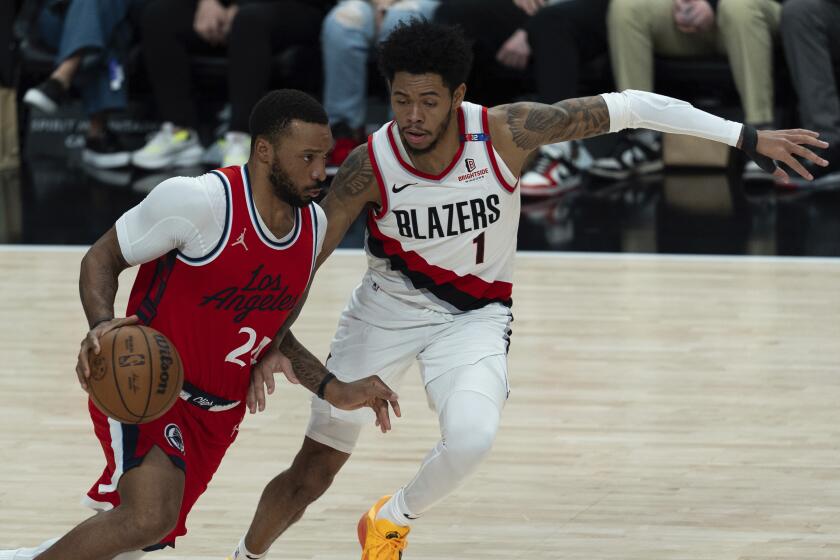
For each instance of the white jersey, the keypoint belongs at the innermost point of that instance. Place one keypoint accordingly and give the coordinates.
(444, 242)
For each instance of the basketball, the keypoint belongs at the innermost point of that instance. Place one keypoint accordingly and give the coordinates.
(137, 375)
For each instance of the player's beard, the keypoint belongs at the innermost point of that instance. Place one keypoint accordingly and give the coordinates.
(283, 188)
(440, 132)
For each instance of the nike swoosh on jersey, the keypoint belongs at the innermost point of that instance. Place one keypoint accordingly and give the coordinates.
(394, 188)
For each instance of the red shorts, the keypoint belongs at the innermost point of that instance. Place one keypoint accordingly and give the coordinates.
(195, 440)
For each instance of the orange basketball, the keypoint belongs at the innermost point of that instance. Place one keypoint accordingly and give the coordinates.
(137, 375)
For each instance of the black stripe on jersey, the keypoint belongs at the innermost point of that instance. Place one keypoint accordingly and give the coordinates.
(446, 292)
(314, 214)
(130, 433)
(147, 310)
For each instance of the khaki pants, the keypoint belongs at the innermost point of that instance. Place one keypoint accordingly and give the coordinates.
(8, 130)
(744, 32)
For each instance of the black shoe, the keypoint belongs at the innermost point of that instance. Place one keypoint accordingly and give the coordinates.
(632, 156)
(46, 96)
(105, 152)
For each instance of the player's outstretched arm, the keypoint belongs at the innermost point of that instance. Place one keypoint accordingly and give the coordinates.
(519, 128)
(368, 392)
(352, 190)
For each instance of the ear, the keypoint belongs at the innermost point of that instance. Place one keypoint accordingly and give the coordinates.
(458, 95)
(263, 150)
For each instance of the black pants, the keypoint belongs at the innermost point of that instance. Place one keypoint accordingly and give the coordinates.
(488, 23)
(562, 37)
(258, 31)
(812, 47)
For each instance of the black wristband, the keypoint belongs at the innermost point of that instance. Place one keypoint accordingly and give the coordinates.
(329, 377)
(748, 145)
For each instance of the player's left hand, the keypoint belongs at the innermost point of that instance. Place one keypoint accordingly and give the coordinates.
(370, 391)
(262, 378)
(783, 145)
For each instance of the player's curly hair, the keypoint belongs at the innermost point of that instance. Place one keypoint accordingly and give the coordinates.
(422, 47)
(272, 114)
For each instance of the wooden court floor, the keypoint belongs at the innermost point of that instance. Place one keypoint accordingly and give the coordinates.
(662, 408)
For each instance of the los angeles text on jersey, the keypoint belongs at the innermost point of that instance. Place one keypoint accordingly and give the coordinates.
(261, 292)
(449, 219)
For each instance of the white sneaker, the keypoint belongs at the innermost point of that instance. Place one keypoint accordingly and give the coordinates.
(9, 554)
(169, 148)
(236, 149)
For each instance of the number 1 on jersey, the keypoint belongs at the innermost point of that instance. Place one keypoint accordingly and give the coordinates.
(479, 248)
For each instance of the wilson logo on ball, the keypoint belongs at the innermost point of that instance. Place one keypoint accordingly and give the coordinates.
(166, 362)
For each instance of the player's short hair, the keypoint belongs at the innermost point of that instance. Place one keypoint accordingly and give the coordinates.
(272, 114)
(422, 47)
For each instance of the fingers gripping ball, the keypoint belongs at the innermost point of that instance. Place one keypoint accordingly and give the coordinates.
(137, 375)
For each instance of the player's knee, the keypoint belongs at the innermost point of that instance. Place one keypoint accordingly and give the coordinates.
(469, 444)
(151, 524)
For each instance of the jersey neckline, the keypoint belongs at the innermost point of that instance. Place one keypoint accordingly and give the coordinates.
(284, 243)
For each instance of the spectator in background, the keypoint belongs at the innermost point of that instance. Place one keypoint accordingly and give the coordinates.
(741, 29)
(562, 37)
(249, 32)
(90, 37)
(500, 46)
(810, 37)
(349, 34)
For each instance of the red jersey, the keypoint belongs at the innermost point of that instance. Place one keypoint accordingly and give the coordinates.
(221, 311)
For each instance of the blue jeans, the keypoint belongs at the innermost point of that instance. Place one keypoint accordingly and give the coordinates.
(98, 30)
(348, 38)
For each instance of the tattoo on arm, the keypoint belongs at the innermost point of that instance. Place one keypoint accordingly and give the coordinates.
(534, 124)
(308, 369)
(354, 176)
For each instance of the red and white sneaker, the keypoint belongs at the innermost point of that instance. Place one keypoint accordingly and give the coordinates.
(553, 172)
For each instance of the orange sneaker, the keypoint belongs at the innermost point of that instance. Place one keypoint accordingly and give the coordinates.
(381, 539)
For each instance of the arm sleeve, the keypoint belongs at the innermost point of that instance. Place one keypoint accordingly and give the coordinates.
(641, 109)
(322, 229)
(180, 213)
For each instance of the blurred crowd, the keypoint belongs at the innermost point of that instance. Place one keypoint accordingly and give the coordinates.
(524, 49)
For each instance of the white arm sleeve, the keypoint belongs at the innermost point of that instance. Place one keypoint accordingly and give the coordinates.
(184, 213)
(322, 229)
(641, 109)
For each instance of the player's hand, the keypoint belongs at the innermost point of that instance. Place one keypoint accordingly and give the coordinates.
(91, 342)
(784, 145)
(209, 21)
(262, 378)
(530, 7)
(370, 391)
(516, 51)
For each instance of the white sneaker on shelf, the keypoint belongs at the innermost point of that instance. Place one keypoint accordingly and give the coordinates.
(236, 149)
(169, 148)
(553, 171)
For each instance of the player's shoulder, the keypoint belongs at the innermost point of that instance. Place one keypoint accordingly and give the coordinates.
(183, 187)
(320, 215)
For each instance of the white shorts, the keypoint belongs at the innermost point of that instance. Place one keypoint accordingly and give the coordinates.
(380, 334)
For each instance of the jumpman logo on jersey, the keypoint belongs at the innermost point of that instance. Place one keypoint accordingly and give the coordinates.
(240, 240)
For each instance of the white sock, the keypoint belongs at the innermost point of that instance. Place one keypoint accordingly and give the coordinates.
(242, 553)
(395, 510)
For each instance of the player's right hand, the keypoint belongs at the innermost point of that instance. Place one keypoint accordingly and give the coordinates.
(262, 378)
(91, 342)
(370, 391)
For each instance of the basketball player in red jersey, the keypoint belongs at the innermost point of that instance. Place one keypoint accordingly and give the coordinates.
(440, 185)
(226, 258)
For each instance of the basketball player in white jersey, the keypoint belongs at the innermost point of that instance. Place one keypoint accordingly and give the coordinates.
(439, 184)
